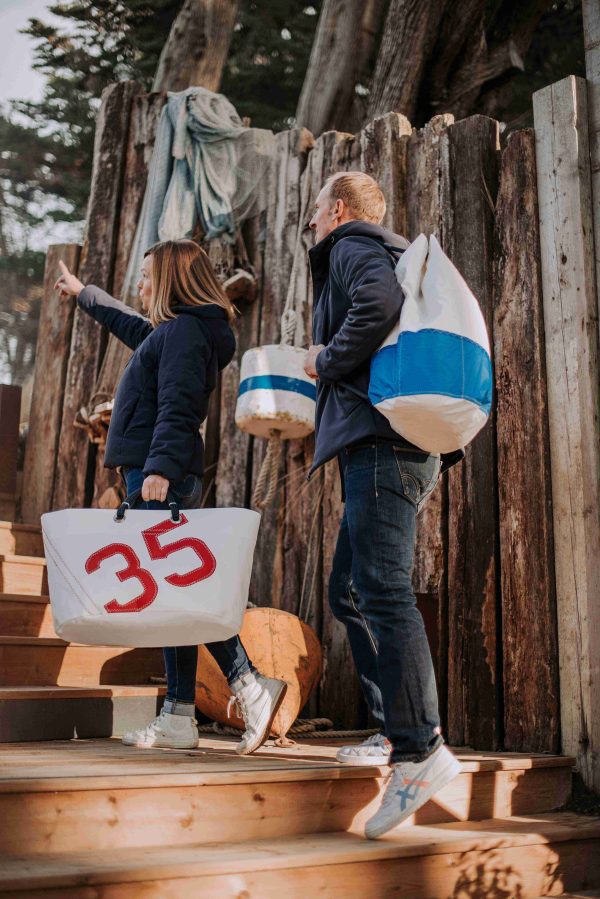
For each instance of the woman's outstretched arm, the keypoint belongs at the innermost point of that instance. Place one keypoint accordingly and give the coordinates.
(121, 320)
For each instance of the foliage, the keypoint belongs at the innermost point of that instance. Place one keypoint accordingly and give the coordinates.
(268, 59)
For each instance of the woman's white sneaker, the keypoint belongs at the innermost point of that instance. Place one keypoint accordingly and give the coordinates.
(411, 785)
(375, 750)
(165, 732)
(257, 699)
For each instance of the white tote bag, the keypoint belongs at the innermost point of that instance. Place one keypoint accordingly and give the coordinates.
(149, 578)
(432, 376)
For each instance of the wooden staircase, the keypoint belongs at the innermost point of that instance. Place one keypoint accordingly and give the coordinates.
(88, 817)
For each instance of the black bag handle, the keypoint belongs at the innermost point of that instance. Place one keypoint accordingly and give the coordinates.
(130, 501)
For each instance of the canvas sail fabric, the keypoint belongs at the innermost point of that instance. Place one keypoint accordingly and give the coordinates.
(149, 580)
(432, 376)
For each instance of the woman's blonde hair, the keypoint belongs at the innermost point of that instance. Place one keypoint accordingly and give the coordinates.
(182, 275)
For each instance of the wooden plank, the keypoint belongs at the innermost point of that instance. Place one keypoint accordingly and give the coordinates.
(427, 193)
(29, 661)
(23, 574)
(10, 413)
(96, 266)
(571, 332)
(23, 539)
(145, 113)
(474, 690)
(51, 362)
(529, 641)
(383, 155)
(526, 857)
(281, 222)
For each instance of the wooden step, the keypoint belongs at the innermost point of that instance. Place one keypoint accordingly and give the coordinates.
(510, 857)
(23, 574)
(44, 661)
(24, 539)
(25, 615)
(210, 794)
(61, 713)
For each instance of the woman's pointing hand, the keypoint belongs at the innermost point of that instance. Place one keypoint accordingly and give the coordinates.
(67, 283)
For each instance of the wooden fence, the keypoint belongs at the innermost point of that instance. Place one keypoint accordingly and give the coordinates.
(485, 564)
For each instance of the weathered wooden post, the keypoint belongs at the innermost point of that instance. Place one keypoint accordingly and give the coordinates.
(529, 642)
(571, 329)
(473, 582)
(51, 362)
(10, 410)
(96, 266)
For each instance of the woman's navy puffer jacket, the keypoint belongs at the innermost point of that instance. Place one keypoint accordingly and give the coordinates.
(162, 397)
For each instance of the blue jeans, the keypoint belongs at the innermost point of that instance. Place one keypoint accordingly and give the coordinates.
(370, 591)
(181, 661)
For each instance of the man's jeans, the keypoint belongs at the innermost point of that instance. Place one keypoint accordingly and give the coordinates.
(370, 591)
(181, 661)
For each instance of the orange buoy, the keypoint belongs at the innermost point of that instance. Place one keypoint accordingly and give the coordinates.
(279, 645)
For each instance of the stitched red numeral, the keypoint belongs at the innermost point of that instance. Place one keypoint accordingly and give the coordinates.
(156, 551)
(132, 570)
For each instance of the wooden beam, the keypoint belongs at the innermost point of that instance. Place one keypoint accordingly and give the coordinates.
(10, 413)
(145, 113)
(96, 266)
(474, 691)
(529, 639)
(571, 330)
(51, 362)
(281, 222)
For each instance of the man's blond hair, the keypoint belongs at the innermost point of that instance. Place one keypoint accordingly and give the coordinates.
(361, 194)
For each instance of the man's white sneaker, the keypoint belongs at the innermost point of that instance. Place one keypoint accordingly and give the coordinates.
(375, 750)
(411, 785)
(165, 732)
(257, 699)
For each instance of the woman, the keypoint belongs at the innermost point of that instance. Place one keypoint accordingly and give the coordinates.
(161, 401)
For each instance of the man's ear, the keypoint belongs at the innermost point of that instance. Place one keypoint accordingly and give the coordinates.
(338, 209)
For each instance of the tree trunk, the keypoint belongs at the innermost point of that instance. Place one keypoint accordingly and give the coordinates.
(411, 29)
(197, 47)
(328, 92)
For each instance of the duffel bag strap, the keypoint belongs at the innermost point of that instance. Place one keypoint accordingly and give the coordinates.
(130, 501)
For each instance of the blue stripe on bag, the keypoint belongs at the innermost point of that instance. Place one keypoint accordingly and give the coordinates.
(432, 361)
(278, 382)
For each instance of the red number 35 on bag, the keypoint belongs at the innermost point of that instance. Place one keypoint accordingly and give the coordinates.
(133, 568)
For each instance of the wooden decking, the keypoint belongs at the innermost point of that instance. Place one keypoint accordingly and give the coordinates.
(95, 818)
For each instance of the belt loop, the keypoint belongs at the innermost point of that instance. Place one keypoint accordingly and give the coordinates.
(376, 465)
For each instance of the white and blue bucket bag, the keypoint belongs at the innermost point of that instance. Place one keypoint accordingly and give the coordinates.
(432, 376)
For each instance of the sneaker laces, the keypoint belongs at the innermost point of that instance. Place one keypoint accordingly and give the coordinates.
(238, 704)
(377, 739)
(151, 729)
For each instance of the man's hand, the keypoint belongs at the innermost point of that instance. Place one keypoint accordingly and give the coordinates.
(311, 360)
(68, 284)
(155, 487)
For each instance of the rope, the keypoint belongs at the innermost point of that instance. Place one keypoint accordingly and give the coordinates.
(301, 729)
(266, 484)
(289, 316)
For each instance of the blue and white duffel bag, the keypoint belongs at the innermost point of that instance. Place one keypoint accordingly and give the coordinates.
(432, 376)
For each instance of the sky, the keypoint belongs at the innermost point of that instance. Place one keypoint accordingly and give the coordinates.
(17, 79)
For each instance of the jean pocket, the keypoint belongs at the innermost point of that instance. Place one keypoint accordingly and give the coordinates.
(419, 473)
(189, 491)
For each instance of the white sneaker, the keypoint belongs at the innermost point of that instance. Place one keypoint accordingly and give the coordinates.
(257, 699)
(375, 750)
(411, 785)
(165, 732)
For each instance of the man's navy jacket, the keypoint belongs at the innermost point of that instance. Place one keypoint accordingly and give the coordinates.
(356, 302)
(162, 397)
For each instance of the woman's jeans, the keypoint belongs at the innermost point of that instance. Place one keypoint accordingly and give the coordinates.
(370, 591)
(181, 661)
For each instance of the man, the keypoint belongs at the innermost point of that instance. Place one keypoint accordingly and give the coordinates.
(386, 480)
